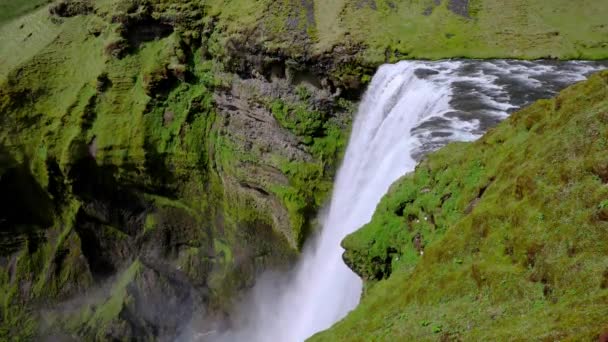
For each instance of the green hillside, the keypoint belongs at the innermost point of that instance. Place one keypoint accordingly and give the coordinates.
(428, 28)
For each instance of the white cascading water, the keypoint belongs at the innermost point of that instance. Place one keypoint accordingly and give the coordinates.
(409, 109)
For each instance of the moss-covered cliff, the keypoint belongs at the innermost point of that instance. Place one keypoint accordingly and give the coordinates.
(156, 155)
(143, 180)
(501, 239)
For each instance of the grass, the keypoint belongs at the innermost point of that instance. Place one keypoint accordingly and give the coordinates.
(64, 97)
(493, 28)
(519, 29)
(23, 38)
(399, 29)
(513, 231)
(11, 9)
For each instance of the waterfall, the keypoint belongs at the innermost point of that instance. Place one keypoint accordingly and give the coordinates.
(409, 109)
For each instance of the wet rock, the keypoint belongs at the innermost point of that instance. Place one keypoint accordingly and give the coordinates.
(424, 73)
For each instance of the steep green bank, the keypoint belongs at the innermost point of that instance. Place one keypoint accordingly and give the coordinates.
(502, 239)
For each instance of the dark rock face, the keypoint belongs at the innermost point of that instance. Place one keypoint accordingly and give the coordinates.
(375, 269)
(338, 70)
(367, 3)
(29, 205)
(460, 7)
(26, 210)
(161, 301)
(146, 30)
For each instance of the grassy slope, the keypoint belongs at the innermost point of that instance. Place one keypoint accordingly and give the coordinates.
(22, 38)
(11, 9)
(525, 258)
(398, 29)
(496, 28)
(387, 31)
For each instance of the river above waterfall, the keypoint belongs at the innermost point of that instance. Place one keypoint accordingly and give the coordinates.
(410, 109)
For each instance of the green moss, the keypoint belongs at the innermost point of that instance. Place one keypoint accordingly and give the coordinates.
(94, 317)
(513, 239)
(18, 323)
(150, 223)
(161, 202)
(309, 182)
(109, 310)
(41, 272)
(224, 251)
(353, 75)
(16, 320)
(145, 115)
(193, 261)
(298, 119)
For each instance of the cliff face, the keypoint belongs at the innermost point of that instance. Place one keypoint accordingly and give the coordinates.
(500, 239)
(145, 182)
(156, 155)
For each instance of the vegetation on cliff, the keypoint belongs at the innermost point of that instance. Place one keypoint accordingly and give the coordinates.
(136, 165)
(500, 239)
(174, 149)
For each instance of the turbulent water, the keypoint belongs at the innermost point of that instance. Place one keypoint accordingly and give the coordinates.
(410, 109)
